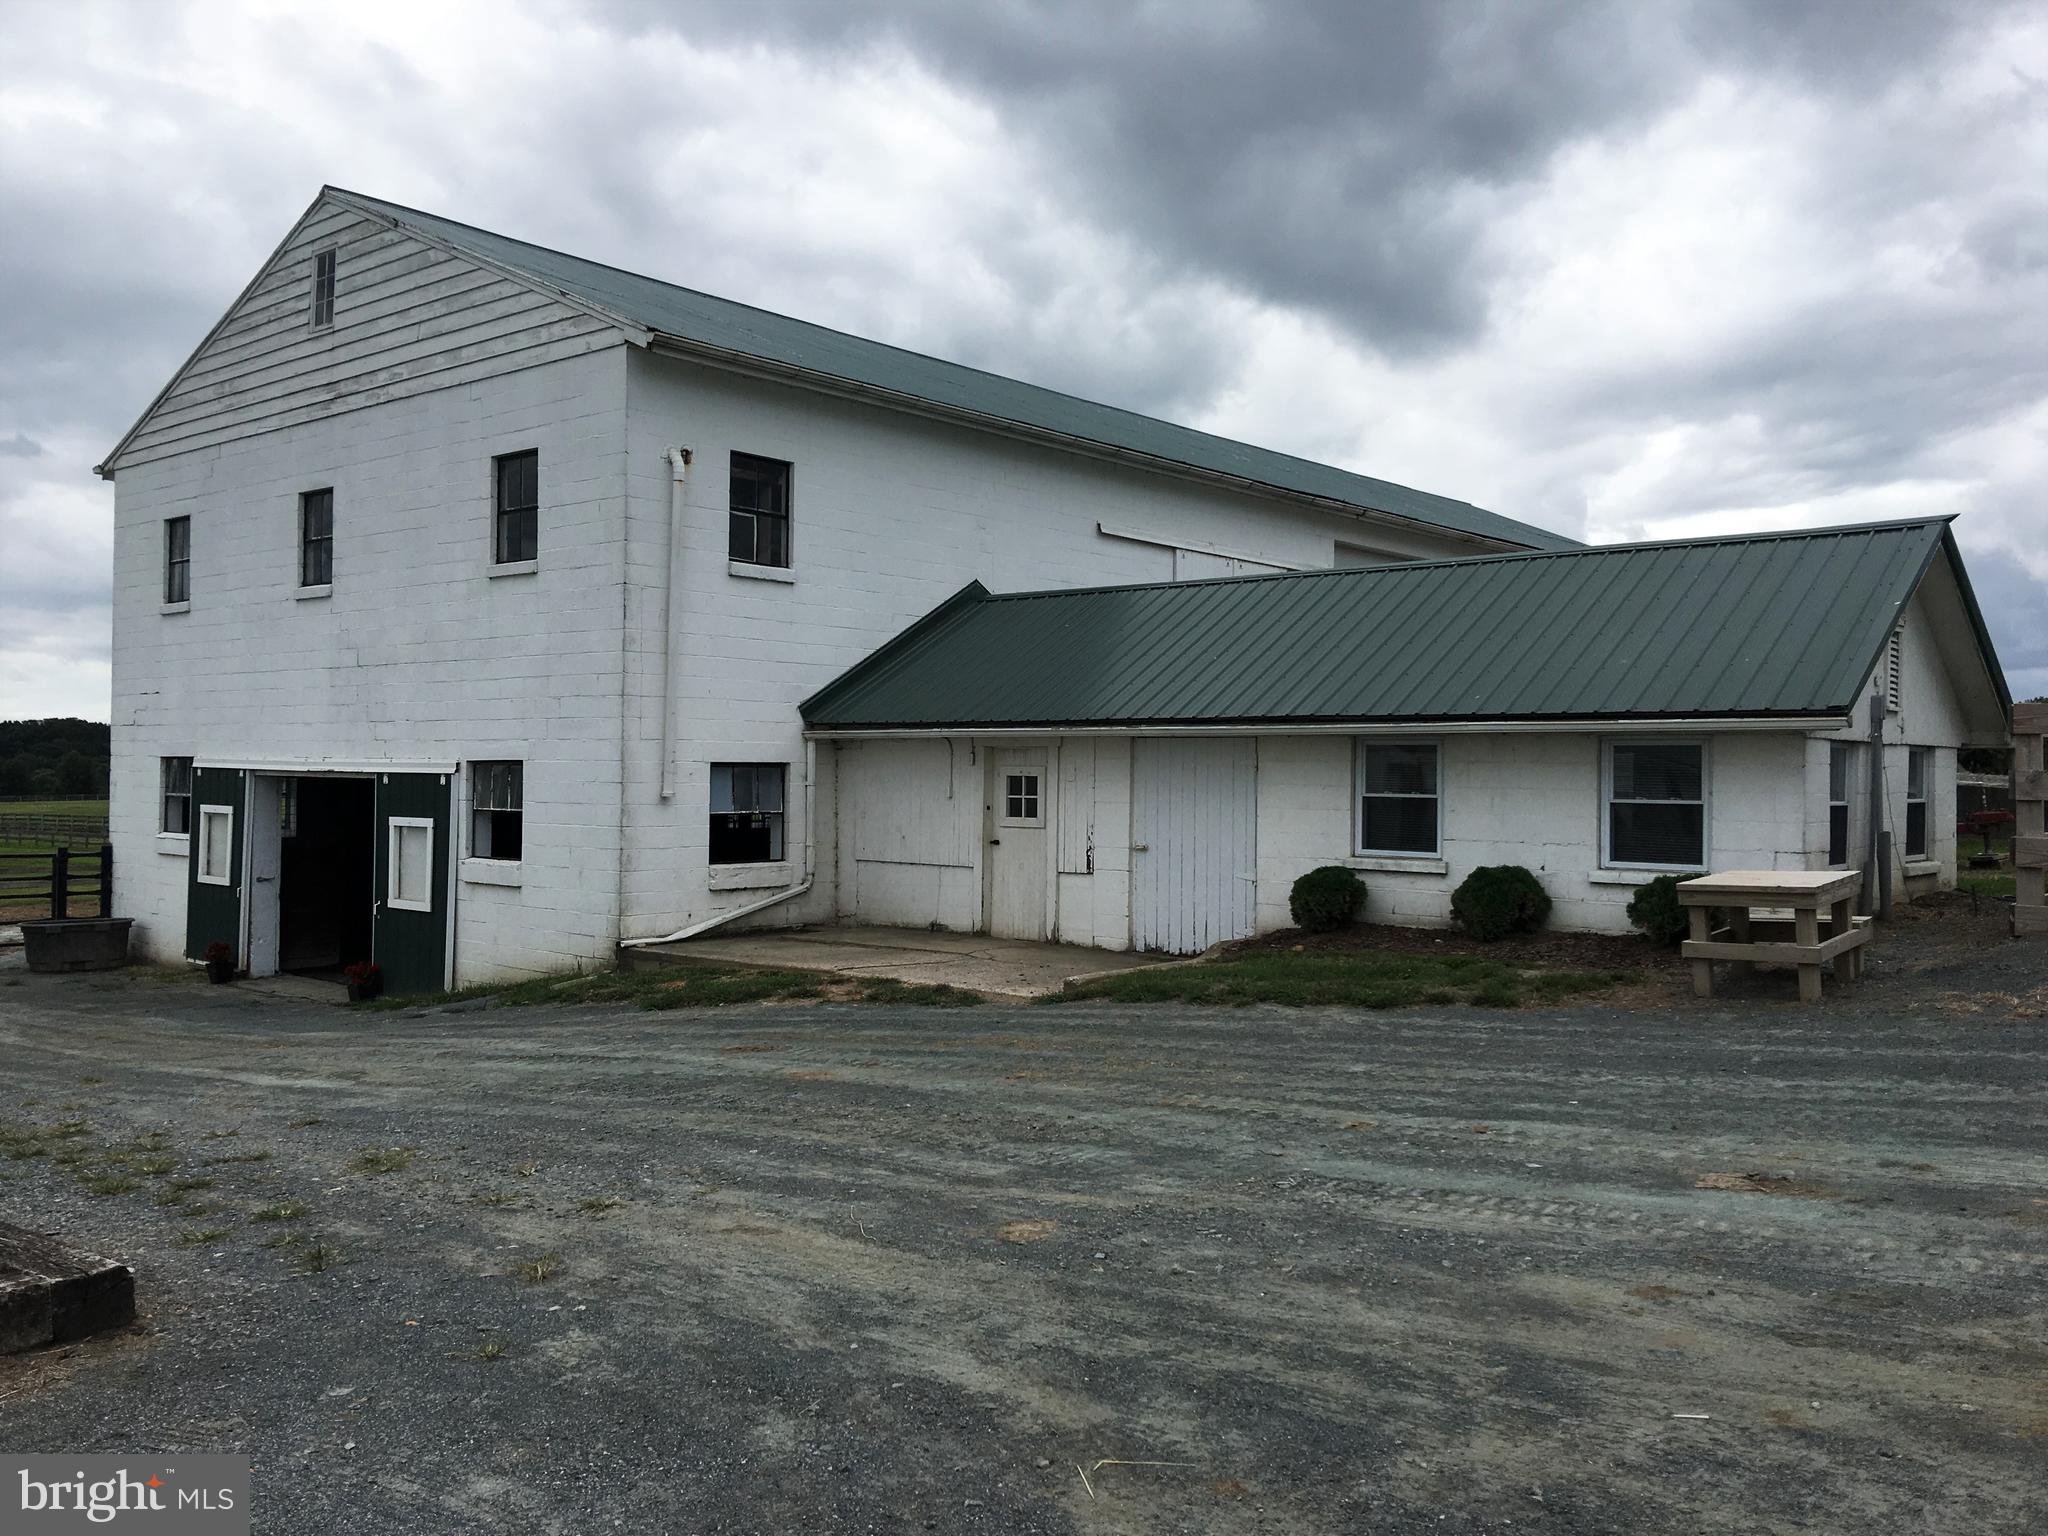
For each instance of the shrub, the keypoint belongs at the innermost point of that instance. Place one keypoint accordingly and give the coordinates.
(1499, 899)
(1326, 898)
(1655, 909)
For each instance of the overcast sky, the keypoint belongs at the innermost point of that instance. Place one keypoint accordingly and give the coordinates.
(1628, 271)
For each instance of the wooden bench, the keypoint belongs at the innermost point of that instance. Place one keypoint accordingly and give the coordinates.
(1802, 892)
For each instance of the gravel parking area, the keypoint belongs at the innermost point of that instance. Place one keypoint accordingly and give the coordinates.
(1050, 1269)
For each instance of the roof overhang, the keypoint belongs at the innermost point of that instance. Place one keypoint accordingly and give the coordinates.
(1601, 725)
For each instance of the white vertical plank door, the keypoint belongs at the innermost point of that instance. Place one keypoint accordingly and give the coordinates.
(1194, 840)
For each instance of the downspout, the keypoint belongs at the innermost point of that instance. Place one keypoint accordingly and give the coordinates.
(672, 617)
(1877, 890)
(794, 891)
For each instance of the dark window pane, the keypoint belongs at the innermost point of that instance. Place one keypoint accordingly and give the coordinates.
(740, 537)
(1656, 772)
(1400, 825)
(1838, 834)
(1400, 770)
(1916, 829)
(1657, 834)
(771, 541)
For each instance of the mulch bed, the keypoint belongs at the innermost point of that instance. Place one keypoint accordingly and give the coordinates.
(1528, 951)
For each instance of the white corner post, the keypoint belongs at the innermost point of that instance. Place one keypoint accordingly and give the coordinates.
(672, 616)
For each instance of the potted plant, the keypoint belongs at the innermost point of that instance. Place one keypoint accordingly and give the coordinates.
(365, 981)
(220, 963)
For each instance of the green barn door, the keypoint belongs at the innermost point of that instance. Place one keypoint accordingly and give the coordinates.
(213, 875)
(410, 941)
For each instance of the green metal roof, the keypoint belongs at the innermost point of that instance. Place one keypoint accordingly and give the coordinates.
(1761, 625)
(717, 325)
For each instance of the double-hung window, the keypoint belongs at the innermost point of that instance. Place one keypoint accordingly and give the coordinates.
(497, 799)
(177, 559)
(746, 812)
(323, 289)
(759, 518)
(1919, 770)
(316, 538)
(1841, 784)
(1398, 804)
(1656, 811)
(515, 534)
(175, 807)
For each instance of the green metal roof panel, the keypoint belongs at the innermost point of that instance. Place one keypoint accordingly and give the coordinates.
(1759, 625)
(703, 319)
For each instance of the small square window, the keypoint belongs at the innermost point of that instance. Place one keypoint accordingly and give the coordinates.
(497, 810)
(1023, 798)
(175, 808)
(177, 559)
(759, 517)
(323, 289)
(316, 538)
(747, 812)
(516, 529)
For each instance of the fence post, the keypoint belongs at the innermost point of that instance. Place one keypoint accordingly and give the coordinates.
(2030, 818)
(60, 882)
(106, 879)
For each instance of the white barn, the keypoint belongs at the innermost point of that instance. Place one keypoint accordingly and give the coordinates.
(466, 593)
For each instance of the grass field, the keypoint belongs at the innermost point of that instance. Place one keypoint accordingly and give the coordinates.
(95, 809)
(1347, 980)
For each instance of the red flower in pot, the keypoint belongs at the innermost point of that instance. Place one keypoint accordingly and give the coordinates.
(220, 962)
(365, 981)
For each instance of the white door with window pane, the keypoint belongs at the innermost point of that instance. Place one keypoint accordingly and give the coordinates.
(1019, 851)
(1194, 843)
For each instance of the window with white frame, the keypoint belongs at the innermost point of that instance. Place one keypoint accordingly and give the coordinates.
(323, 289)
(177, 559)
(758, 519)
(1023, 803)
(1655, 815)
(1841, 784)
(316, 538)
(515, 530)
(174, 813)
(497, 810)
(1919, 771)
(410, 883)
(216, 845)
(1399, 809)
(747, 812)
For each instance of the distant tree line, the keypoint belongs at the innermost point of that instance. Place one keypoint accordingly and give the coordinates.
(53, 757)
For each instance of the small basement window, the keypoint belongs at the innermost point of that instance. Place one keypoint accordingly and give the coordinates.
(747, 812)
(323, 289)
(1841, 784)
(1656, 812)
(174, 812)
(759, 517)
(1919, 770)
(497, 796)
(316, 538)
(177, 559)
(1023, 798)
(515, 534)
(1398, 807)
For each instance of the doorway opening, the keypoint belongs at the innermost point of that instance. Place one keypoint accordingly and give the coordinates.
(326, 874)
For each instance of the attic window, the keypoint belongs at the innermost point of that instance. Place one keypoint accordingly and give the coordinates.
(323, 289)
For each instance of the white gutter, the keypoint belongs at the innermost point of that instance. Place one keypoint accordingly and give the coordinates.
(672, 616)
(1410, 728)
(794, 891)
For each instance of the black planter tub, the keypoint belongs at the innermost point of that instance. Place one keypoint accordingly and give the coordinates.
(76, 943)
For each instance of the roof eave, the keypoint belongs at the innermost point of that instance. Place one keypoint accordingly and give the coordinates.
(1750, 720)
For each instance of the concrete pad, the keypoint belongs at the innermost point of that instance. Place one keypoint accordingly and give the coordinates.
(973, 961)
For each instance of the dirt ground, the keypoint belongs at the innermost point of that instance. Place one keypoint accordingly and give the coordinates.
(1065, 1269)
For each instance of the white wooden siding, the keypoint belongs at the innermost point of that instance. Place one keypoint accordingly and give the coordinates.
(407, 318)
(1076, 806)
(1194, 842)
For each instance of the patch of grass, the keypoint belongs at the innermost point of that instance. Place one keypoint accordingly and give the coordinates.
(192, 1181)
(157, 1167)
(68, 1130)
(541, 1270)
(497, 1197)
(284, 1240)
(314, 1258)
(70, 1157)
(91, 1081)
(220, 1135)
(712, 986)
(195, 1237)
(1344, 980)
(381, 1160)
(108, 1182)
(240, 1157)
(527, 1170)
(289, 1210)
(886, 989)
(597, 1205)
(300, 1125)
(172, 1198)
(490, 1349)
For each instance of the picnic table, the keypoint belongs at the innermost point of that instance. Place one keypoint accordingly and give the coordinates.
(1804, 893)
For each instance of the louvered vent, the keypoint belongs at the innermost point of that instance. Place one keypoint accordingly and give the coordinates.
(1891, 669)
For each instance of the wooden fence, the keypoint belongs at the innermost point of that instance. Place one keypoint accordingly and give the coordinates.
(2030, 817)
(57, 884)
(59, 829)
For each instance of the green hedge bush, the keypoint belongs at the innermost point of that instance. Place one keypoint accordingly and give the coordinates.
(1496, 900)
(1326, 898)
(1654, 908)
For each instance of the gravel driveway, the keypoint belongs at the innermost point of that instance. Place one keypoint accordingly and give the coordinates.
(839, 1269)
